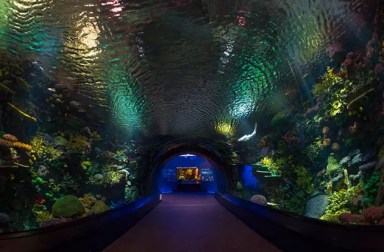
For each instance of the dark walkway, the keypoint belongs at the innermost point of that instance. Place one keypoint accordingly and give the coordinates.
(190, 222)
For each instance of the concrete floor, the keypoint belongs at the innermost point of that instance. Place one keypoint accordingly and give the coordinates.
(190, 222)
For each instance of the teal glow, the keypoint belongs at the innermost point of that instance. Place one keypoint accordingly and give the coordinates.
(124, 101)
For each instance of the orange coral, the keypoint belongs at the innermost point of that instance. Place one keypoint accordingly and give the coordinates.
(325, 130)
(335, 146)
(10, 137)
(6, 143)
(22, 146)
(326, 142)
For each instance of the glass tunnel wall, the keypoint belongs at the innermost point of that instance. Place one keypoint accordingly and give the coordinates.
(289, 93)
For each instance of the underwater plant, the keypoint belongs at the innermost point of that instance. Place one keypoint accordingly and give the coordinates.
(79, 143)
(329, 81)
(113, 177)
(41, 213)
(43, 150)
(333, 164)
(314, 152)
(340, 202)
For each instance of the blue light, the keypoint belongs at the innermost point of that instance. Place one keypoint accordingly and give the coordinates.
(166, 178)
(248, 180)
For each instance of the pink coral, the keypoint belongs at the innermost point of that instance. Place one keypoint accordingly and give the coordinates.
(348, 62)
(334, 48)
(348, 218)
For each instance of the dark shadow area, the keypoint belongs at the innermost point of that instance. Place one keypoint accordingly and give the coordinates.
(292, 232)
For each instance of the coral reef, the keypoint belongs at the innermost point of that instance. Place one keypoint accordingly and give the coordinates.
(340, 202)
(67, 206)
(79, 143)
(99, 207)
(374, 215)
(348, 218)
(41, 213)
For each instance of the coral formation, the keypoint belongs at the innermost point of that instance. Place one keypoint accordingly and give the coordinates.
(259, 200)
(348, 218)
(99, 207)
(340, 202)
(67, 206)
(374, 214)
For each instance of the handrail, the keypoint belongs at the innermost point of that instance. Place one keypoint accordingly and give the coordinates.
(91, 233)
(292, 232)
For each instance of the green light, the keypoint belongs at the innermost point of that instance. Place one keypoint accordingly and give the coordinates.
(123, 96)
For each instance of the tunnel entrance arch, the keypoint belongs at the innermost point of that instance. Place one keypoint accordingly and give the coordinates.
(187, 172)
(163, 178)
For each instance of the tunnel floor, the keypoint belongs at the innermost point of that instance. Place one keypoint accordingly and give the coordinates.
(190, 222)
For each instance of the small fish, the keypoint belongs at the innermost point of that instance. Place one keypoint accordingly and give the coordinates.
(51, 90)
(247, 137)
(37, 64)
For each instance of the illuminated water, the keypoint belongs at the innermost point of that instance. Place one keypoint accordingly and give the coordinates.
(93, 85)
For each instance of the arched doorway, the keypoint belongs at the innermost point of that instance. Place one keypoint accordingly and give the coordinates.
(187, 172)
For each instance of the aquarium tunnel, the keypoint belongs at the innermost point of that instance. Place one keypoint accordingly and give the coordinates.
(132, 116)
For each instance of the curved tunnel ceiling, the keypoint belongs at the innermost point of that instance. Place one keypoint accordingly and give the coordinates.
(181, 67)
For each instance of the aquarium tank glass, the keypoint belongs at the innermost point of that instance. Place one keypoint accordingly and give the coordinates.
(287, 97)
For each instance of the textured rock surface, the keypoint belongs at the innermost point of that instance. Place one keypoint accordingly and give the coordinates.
(259, 199)
(316, 206)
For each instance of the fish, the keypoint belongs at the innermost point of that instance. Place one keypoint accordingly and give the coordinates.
(247, 137)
